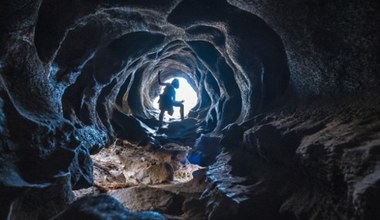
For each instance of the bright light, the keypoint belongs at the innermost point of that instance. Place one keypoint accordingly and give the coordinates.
(184, 92)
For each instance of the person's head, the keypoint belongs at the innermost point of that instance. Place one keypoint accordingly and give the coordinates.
(175, 83)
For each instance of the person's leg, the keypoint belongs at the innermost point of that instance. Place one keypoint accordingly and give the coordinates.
(171, 111)
(161, 117)
(181, 108)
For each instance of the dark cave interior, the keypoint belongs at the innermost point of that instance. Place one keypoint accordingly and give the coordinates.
(286, 126)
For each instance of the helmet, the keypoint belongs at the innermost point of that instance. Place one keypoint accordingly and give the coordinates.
(175, 83)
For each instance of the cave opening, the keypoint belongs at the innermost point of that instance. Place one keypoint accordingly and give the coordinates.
(227, 75)
(185, 92)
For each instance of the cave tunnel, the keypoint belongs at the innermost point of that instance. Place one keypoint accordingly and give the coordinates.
(285, 123)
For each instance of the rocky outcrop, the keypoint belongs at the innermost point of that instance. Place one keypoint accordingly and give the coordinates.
(123, 164)
(310, 163)
(331, 45)
(103, 207)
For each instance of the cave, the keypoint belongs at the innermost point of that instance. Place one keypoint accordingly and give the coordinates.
(285, 123)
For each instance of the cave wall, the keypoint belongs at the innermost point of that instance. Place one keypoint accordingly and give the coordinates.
(332, 46)
(77, 74)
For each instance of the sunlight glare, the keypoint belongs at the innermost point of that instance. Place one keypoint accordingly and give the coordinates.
(184, 92)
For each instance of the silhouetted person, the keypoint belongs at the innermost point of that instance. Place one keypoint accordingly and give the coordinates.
(167, 98)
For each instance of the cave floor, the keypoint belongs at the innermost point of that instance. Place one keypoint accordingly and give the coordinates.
(179, 131)
(145, 179)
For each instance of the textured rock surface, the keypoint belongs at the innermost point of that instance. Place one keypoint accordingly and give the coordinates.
(77, 74)
(103, 207)
(311, 163)
(123, 164)
(332, 46)
(175, 201)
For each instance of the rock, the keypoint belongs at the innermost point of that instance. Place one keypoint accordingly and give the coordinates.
(142, 198)
(128, 127)
(206, 149)
(43, 202)
(103, 207)
(180, 200)
(124, 164)
(298, 166)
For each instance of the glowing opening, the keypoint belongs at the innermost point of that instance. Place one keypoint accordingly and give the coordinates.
(184, 92)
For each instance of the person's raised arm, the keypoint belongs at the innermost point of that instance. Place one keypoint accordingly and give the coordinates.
(159, 80)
